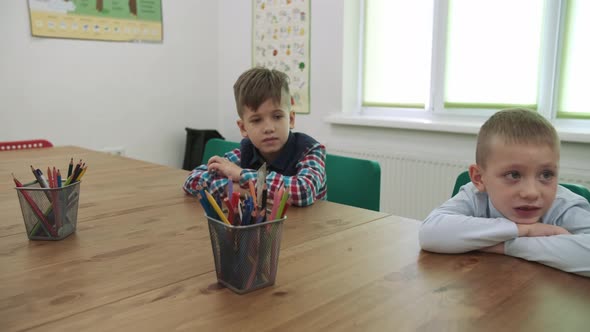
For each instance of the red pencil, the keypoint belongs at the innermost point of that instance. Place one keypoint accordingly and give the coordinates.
(34, 207)
(230, 210)
(54, 177)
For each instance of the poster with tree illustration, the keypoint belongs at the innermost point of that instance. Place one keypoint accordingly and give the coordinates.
(281, 41)
(113, 20)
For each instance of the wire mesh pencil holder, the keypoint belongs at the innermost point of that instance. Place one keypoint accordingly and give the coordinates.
(246, 257)
(49, 213)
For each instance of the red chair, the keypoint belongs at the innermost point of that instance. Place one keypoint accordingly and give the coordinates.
(25, 145)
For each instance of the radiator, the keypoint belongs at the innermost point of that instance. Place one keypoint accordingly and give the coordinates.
(413, 185)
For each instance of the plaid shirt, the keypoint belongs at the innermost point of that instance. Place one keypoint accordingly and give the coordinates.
(300, 167)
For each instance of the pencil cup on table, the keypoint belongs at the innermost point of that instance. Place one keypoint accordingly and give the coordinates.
(49, 213)
(246, 257)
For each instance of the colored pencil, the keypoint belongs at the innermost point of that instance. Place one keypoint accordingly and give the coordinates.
(70, 167)
(216, 207)
(34, 207)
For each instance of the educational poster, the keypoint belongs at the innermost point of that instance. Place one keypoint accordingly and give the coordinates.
(115, 20)
(281, 41)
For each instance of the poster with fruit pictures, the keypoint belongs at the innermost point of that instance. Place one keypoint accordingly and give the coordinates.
(281, 41)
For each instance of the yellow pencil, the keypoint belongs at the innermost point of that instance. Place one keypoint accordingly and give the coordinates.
(81, 173)
(216, 207)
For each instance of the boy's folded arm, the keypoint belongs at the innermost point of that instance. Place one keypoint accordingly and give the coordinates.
(540, 229)
(455, 227)
(455, 233)
(198, 177)
(304, 186)
(201, 175)
(195, 178)
(570, 253)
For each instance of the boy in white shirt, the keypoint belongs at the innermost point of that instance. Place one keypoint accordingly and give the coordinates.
(514, 205)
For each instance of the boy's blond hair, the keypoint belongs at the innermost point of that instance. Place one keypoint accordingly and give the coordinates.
(515, 126)
(257, 85)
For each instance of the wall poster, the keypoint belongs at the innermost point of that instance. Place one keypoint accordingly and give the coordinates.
(281, 41)
(115, 20)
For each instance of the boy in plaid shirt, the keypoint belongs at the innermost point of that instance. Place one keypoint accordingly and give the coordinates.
(295, 160)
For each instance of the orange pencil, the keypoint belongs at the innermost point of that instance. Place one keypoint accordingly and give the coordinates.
(253, 194)
(49, 177)
(52, 175)
(252, 190)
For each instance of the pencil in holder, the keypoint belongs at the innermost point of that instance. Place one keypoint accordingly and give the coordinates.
(246, 257)
(49, 213)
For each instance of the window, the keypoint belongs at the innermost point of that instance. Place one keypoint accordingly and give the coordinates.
(469, 56)
(575, 63)
(492, 53)
(397, 65)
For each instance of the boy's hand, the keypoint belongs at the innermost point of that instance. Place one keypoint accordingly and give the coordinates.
(224, 167)
(540, 229)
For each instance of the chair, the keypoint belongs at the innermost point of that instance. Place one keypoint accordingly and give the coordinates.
(353, 181)
(25, 145)
(350, 181)
(217, 147)
(464, 178)
(195, 146)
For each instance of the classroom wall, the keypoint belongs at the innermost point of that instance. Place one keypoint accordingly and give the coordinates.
(96, 94)
(327, 34)
(142, 96)
(327, 73)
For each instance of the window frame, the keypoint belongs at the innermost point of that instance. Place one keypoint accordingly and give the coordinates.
(434, 116)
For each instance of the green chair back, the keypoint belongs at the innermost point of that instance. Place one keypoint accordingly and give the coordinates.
(464, 178)
(353, 181)
(218, 147)
(350, 181)
(578, 189)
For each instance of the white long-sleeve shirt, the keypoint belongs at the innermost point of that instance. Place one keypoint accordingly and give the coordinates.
(469, 221)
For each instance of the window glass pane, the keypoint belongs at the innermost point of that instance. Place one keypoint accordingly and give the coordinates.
(398, 38)
(493, 50)
(575, 68)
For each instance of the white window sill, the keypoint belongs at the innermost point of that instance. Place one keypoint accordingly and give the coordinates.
(569, 130)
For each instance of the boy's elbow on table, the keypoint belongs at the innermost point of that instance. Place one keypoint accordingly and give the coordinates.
(429, 240)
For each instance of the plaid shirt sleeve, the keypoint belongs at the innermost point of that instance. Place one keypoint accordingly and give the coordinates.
(200, 176)
(305, 187)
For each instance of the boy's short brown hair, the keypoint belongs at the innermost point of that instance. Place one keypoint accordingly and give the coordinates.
(515, 126)
(257, 85)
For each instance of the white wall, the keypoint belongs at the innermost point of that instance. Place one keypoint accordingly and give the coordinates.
(327, 35)
(97, 94)
(235, 54)
(141, 96)
(327, 29)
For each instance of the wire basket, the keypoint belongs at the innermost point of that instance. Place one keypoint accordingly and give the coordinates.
(246, 257)
(49, 213)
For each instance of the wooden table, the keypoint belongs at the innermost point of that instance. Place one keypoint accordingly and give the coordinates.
(141, 260)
